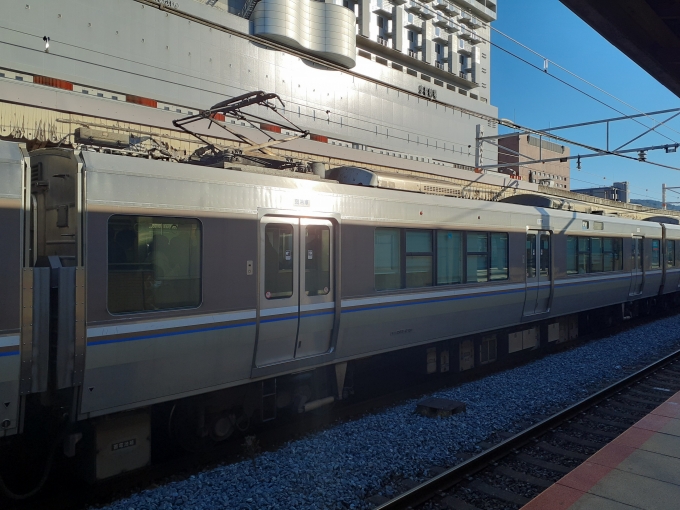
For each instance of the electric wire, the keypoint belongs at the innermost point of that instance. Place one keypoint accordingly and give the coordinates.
(580, 78)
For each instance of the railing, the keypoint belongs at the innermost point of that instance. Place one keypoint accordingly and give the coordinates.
(382, 41)
(439, 65)
(413, 54)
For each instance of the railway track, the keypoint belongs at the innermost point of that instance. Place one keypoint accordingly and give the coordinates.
(508, 474)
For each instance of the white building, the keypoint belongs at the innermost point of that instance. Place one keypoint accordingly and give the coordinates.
(407, 79)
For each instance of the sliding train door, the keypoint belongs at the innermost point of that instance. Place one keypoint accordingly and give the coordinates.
(637, 269)
(297, 303)
(538, 272)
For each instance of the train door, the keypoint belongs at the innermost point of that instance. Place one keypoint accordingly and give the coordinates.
(637, 269)
(297, 303)
(538, 272)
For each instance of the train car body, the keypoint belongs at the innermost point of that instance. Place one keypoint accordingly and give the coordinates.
(13, 159)
(217, 291)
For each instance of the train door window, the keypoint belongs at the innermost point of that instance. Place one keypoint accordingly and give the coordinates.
(278, 260)
(387, 258)
(596, 255)
(583, 254)
(477, 257)
(154, 263)
(656, 254)
(670, 253)
(449, 257)
(499, 257)
(419, 257)
(544, 255)
(317, 260)
(572, 255)
(531, 255)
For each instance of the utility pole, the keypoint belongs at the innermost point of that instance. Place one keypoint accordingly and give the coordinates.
(663, 196)
(665, 188)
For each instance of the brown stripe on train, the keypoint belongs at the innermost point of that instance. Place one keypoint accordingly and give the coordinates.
(144, 101)
(53, 82)
(319, 138)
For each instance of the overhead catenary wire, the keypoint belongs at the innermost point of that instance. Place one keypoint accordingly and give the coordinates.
(545, 70)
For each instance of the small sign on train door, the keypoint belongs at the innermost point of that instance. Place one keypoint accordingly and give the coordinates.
(310, 254)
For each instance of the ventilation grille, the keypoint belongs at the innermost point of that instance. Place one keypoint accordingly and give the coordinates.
(441, 190)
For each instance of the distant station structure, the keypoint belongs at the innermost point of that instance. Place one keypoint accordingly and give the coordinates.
(554, 173)
(618, 192)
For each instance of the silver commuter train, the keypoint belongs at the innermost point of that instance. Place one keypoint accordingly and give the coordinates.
(131, 284)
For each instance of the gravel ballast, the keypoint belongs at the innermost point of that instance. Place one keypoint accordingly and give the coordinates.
(340, 467)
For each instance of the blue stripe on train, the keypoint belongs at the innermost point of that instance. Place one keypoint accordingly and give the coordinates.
(171, 333)
(351, 310)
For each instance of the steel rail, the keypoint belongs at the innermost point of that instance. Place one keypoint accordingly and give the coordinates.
(473, 465)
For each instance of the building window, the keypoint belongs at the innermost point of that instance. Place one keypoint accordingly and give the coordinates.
(154, 263)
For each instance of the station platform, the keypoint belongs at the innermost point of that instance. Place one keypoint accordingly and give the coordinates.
(640, 469)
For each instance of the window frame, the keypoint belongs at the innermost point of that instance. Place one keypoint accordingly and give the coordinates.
(201, 264)
(651, 255)
(669, 242)
(434, 232)
(617, 242)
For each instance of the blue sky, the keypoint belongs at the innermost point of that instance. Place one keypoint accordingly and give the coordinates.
(536, 100)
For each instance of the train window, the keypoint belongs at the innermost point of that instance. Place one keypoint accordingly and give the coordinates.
(278, 260)
(531, 255)
(499, 257)
(670, 253)
(449, 257)
(387, 258)
(596, 255)
(583, 254)
(477, 257)
(154, 263)
(419, 258)
(617, 245)
(544, 258)
(317, 260)
(656, 254)
(572, 255)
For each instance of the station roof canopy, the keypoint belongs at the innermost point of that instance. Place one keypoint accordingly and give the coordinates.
(647, 31)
